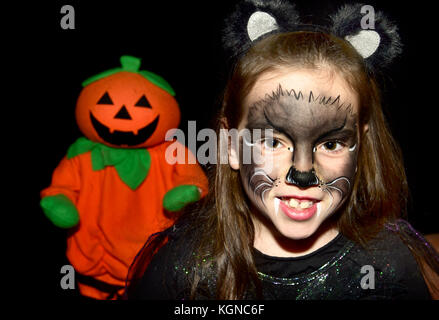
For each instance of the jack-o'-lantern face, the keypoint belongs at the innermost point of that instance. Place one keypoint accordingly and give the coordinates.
(126, 110)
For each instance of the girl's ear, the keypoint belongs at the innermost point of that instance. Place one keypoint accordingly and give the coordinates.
(233, 156)
(371, 33)
(226, 144)
(223, 123)
(365, 128)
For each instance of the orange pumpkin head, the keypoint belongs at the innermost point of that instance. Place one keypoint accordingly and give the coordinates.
(127, 108)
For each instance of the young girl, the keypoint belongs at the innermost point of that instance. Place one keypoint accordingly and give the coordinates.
(319, 216)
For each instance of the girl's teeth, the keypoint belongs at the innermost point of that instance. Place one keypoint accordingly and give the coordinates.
(299, 204)
(306, 204)
(293, 203)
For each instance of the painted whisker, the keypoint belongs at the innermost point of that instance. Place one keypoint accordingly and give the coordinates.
(263, 197)
(330, 193)
(338, 179)
(262, 184)
(260, 173)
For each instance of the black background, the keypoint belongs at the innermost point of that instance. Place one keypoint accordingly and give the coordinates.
(180, 40)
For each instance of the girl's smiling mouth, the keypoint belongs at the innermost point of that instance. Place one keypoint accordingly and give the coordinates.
(296, 207)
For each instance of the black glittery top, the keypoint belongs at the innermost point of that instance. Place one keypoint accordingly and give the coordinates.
(386, 269)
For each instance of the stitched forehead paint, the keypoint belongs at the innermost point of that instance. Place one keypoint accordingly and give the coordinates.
(296, 114)
(299, 96)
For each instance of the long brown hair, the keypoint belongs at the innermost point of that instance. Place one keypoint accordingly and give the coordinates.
(380, 191)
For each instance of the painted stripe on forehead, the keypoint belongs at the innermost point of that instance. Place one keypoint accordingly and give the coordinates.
(299, 96)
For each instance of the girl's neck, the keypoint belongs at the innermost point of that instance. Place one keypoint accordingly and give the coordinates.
(270, 242)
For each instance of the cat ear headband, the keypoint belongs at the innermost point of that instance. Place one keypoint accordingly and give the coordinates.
(377, 41)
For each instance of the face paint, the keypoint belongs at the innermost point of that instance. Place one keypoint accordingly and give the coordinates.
(314, 145)
(255, 172)
(259, 182)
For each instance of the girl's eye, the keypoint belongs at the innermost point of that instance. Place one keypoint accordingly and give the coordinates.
(272, 144)
(332, 146)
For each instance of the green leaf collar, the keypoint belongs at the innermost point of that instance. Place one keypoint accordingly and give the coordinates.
(132, 165)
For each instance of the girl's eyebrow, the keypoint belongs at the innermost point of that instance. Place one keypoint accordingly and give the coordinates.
(275, 127)
(347, 132)
(260, 122)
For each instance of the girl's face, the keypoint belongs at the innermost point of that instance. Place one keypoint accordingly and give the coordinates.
(303, 172)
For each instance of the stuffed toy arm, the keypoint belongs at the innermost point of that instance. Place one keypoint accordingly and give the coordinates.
(178, 197)
(58, 200)
(190, 184)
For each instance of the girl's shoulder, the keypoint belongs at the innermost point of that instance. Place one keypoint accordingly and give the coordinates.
(392, 264)
(167, 276)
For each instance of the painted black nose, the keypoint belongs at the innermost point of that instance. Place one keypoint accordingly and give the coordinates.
(302, 179)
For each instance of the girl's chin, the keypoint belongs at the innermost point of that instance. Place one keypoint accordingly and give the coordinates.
(297, 232)
(296, 229)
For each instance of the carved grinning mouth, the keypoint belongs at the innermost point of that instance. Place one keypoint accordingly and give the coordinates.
(127, 138)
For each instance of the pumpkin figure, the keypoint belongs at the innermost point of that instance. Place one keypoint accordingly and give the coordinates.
(114, 188)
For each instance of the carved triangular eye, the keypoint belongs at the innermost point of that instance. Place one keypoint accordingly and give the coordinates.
(105, 99)
(143, 102)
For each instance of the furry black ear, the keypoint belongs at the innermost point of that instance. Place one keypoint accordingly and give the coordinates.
(376, 40)
(252, 20)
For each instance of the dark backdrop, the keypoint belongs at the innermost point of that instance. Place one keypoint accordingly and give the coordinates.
(180, 41)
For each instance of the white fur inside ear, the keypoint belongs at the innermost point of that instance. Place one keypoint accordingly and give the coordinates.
(366, 42)
(259, 24)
